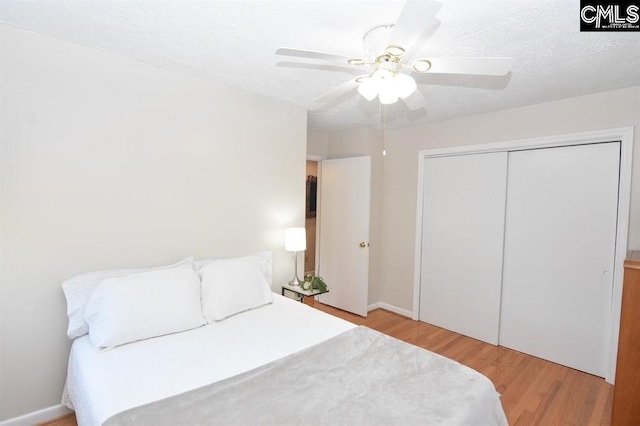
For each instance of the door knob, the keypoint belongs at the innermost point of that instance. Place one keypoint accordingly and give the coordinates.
(363, 244)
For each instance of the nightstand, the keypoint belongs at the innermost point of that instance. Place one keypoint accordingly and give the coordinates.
(300, 293)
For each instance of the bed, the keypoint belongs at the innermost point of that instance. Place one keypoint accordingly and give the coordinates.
(280, 363)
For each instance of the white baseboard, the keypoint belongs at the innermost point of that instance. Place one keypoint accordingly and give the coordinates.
(373, 306)
(39, 416)
(395, 309)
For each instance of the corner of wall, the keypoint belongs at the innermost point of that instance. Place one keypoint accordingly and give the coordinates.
(317, 143)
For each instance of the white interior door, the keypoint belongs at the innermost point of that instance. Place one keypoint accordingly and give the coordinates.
(462, 240)
(559, 253)
(344, 215)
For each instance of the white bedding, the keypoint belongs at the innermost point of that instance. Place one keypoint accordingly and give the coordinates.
(101, 384)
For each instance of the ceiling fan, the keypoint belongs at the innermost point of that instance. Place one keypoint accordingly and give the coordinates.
(386, 49)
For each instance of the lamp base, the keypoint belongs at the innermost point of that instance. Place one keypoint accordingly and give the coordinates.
(295, 282)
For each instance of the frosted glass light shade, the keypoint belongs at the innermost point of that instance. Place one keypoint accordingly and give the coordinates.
(388, 93)
(405, 85)
(368, 88)
(387, 85)
(387, 98)
(295, 239)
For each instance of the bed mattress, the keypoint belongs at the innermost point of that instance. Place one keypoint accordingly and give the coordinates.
(101, 384)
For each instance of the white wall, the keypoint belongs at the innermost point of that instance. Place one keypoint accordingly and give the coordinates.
(112, 163)
(317, 143)
(617, 108)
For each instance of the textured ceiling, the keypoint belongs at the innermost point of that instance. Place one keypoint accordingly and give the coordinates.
(233, 43)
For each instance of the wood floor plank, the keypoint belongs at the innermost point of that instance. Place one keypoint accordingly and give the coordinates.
(599, 405)
(542, 390)
(66, 420)
(548, 400)
(521, 385)
(606, 414)
(587, 397)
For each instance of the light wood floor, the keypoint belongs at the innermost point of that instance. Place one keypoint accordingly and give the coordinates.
(534, 391)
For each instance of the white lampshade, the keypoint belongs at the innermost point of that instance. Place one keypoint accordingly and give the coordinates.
(295, 239)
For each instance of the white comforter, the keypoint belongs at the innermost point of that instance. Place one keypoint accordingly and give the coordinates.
(101, 384)
(360, 377)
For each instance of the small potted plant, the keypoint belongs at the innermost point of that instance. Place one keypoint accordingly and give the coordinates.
(313, 282)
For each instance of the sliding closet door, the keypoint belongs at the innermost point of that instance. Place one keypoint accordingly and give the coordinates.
(559, 253)
(463, 223)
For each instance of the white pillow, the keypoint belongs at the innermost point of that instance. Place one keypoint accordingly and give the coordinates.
(78, 290)
(140, 306)
(266, 255)
(231, 286)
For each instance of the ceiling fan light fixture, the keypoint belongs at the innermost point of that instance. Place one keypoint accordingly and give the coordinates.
(421, 65)
(388, 98)
(404, 85)
(382, 74)
(356, 61)
(368, 88)
(388, 93)
(395, 51)
(376, 40)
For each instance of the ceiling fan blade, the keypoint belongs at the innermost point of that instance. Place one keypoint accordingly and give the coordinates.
(316, 66)
(476, 66)
(415, 101)
(416, 17)
(326, 100)
(301, 53)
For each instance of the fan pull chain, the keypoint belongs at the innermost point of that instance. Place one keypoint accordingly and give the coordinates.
(382, 125)
(384, 133)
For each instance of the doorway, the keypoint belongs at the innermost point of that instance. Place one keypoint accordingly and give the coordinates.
(344, 225)
(311, 205)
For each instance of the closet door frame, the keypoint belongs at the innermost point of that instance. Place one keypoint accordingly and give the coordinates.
(622, 134)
